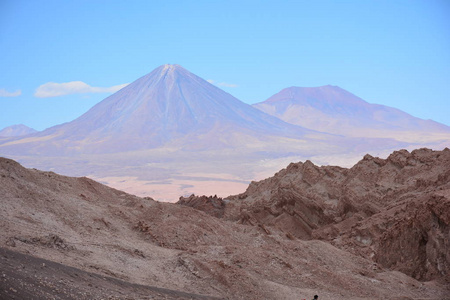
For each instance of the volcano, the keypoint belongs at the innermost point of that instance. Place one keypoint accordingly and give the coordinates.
(334, 110)
(168, 107)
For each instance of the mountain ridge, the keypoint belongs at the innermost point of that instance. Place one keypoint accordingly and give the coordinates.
(334, 110)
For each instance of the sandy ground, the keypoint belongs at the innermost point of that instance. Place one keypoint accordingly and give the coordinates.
(25, 277)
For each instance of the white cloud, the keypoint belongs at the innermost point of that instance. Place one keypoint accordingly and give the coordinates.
(5, 93)
(53, 89)
(225, 84)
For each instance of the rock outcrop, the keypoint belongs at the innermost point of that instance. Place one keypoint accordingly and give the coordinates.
(394, 211)
(308, 230)
(212, 205)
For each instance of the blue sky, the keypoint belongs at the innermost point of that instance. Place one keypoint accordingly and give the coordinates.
(395, 53)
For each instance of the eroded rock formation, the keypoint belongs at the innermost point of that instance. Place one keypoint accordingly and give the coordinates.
(395, 211)
(308, 230)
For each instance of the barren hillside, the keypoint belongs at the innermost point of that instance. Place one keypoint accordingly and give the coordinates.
(258, 249)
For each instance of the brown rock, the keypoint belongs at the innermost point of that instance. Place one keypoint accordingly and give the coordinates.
(394, 210)
(262, 244)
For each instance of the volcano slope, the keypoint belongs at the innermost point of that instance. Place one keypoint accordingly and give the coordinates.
(145, 249)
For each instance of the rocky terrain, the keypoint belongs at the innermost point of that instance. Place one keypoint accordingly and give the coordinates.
(171, 133)
(395, 211)
(378, 230)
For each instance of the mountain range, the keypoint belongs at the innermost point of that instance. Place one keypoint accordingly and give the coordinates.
(171, 133)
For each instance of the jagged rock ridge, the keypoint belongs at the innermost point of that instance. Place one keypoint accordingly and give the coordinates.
(83, 224)
(394, 211)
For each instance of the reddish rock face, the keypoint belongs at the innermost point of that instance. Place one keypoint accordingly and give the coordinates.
(395, 211)
(213, 206)
(418, 242)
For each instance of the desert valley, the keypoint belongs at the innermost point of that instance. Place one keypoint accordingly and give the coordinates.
(312, 191)
(379, 230)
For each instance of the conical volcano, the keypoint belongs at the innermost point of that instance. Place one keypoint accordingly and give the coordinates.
(168, 107)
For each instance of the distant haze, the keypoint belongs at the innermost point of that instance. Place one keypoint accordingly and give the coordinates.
(16, 130)
(334, 110)
(171, 133)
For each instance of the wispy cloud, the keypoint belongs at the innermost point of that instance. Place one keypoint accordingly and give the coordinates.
(53, 89)
(5, 93)
(225, 84)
